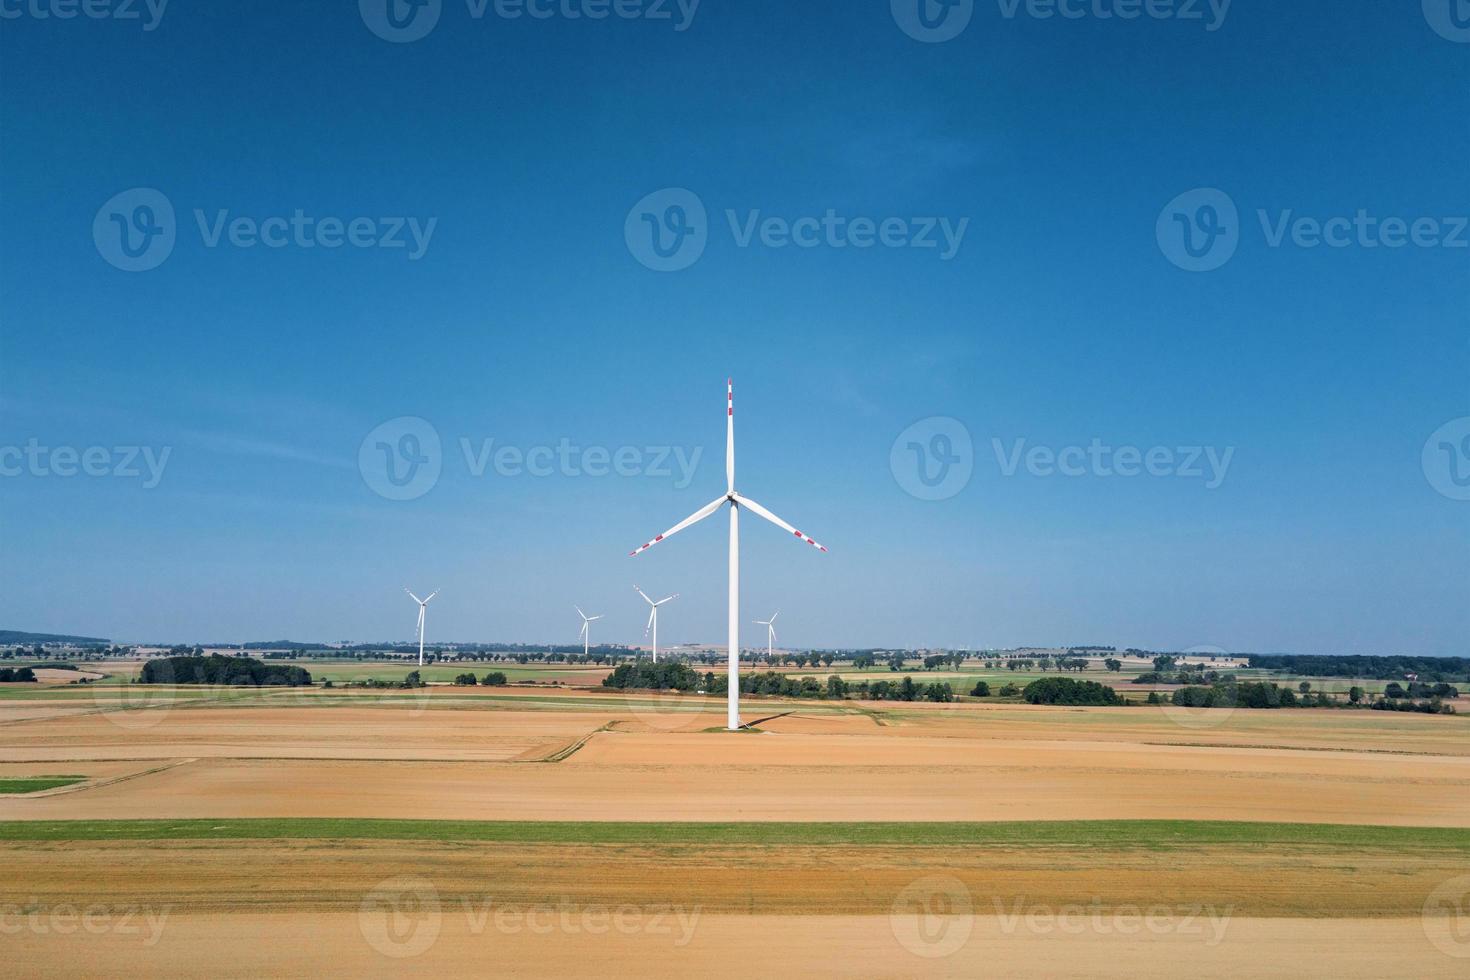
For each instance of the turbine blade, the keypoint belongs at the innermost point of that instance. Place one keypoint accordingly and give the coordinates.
(414, 597)
(730, 435)
(643, 594)
(593, 619)
(431, 595)
(667, 598)
(758, 509)
(649, 625)
(579, 610)
(693, 518)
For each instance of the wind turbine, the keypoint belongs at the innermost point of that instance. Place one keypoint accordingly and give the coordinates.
(653, 617)
(736, 502)
(423, 604)
(770, 625)
(586, 634)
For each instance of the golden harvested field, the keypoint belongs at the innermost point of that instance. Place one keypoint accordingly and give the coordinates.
(536, 943)
(229, 903)
(793, 879)
(958, 764)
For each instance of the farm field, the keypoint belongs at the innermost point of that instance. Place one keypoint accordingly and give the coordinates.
(1303, 832)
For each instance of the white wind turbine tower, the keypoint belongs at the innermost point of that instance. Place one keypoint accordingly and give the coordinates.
(770, 625)
(736, 502)
(423, 604)
(586, 633)
(653, 616)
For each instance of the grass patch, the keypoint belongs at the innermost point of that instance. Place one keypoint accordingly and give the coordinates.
(34, 784)
(1143, 834)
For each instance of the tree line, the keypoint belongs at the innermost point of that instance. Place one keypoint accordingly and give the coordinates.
(219, 670)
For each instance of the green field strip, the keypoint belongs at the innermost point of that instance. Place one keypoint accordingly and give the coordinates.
(35, 784)
(1117, 834)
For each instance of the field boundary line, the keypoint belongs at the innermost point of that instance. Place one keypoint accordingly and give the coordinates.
(86, 785)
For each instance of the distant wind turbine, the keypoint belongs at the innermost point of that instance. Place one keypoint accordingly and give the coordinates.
(653, 616)
(586, 633)
(736, 502)
(770, 625)
(423, 604)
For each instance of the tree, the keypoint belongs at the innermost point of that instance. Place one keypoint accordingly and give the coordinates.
(1065, 690)
(1305, 687)
(466, 680)
(496, 678)
(836, 687)
(1355, 695)
(1113, 664)
(982, 690)
(1164, 662)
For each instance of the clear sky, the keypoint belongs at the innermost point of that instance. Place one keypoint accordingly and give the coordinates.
(1059, 305)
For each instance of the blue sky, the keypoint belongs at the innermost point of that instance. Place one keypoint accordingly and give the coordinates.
(1063, 316)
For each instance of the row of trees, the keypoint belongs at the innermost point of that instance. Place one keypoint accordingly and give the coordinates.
(1378, 668)
(675, 676)
(1068, 691)
(14, 675)
(1059, 662)
(496, 678)
(215, 669)
(1230, 693)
